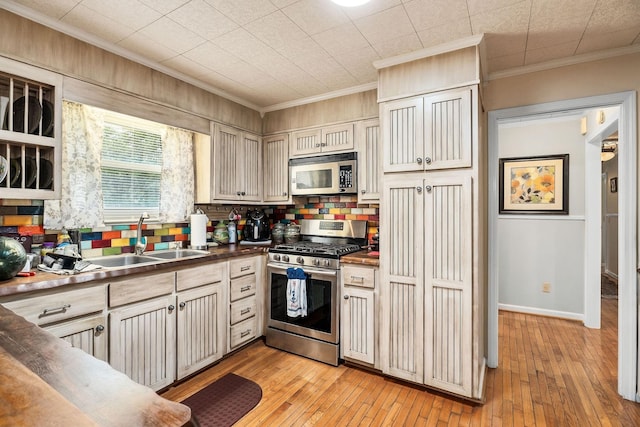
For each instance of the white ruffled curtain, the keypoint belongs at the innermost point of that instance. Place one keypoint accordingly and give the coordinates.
(177, 181)
(80, 203)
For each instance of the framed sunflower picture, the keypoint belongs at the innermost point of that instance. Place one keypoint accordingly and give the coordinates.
(535, 185)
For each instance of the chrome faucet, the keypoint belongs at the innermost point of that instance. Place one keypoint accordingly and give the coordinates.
(141, 242)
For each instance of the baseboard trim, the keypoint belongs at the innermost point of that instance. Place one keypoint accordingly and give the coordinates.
(542, 312)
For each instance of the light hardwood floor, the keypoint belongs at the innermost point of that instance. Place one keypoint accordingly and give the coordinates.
(552, 373)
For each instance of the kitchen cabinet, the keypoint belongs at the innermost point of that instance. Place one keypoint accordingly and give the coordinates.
(201, 318)
(237, 165)
(359, 302)
(244, 319)
(369, 156)
(428, 132)
(276, 169)
(142, 328)
(30, 131)
(76, 315)
(325, 140)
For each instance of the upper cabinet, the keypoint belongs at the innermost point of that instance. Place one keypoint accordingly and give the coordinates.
(276, 167)
(368, 136)
(428, 132)
(328, 139)
(30, 131)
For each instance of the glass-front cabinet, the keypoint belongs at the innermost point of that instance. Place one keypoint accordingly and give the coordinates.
(30, 121)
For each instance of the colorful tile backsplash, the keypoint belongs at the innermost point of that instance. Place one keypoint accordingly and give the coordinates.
(25, 217)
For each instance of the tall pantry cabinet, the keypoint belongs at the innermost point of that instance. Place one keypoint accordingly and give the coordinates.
(433, 256)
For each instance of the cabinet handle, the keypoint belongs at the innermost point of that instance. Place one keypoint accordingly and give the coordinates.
(419, 189)
(357, 278)
(419, 160)
(245, 268)
(171, 307)
(245, 288)
(245, 333)
(183, 304)
(427, 160)
(100, 328)
(61, 309)
(428, 188)
(346, 297)
(245, 311)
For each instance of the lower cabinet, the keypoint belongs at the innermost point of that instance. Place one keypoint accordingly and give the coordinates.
(243, 286)
(143, 341)
(358, 330)
(89, 334)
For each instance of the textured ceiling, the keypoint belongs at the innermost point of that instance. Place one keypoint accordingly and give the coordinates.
(266, 53)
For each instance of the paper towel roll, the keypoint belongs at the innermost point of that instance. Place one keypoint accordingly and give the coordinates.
(199, 231)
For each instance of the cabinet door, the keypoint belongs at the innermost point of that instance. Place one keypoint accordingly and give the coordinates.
(357, 323)
(226, 150)
(201, 328)
(89, 334)
(337, 138)
(142, 342)
(369, 161)
(402, 135)
(448, 282)
(249, 168)
(276, 168)
(401, 288)
(305, 142)
(448, 129)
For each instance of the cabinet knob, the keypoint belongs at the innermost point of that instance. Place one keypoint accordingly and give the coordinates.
(284, 193)
(171, 307)
(317, 144)
(100, 328)
(419, 189)
(427, 160)
(428, 188)
(346, 297)
(237, 193)
(363, 191)
(183, 304)
(242, 193)
(419, 160)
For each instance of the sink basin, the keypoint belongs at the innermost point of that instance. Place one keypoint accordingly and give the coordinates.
(177, 253)
(123, 260)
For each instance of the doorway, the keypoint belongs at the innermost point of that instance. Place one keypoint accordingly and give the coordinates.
(627, 245)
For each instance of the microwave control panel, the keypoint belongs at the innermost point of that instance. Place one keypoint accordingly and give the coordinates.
(346, 177)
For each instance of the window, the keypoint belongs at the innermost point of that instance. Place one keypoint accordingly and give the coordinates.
(131, 167)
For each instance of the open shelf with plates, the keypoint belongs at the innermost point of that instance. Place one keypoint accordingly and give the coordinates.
(30, 134)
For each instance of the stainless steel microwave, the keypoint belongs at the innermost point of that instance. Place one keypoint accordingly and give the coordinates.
(321, 175)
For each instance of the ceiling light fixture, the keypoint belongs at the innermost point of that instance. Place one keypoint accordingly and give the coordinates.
(609, 149)
(350, 3)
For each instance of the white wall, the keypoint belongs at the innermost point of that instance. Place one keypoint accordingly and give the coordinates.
(610, 219)
(534, 249)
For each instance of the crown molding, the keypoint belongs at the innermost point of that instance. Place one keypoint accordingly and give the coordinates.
(57, 25)
(564, 62)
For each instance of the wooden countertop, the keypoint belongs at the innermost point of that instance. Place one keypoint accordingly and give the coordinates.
(46, 382)
(43, 280)
(362, 258)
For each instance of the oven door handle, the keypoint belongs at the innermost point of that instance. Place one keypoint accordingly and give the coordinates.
(333, 273)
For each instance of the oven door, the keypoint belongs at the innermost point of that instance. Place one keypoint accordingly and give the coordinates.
(321, 321)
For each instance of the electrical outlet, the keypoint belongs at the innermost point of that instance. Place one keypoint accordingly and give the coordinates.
(546, 287)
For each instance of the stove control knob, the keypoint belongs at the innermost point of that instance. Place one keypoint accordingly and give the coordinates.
(327, 263)
(285, 258)
(316, 262)
(300, 260)
(276, 257)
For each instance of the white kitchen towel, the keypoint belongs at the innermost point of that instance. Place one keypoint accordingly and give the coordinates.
(296, 292)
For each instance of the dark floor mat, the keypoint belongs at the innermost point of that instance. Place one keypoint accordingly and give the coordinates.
(224, 402)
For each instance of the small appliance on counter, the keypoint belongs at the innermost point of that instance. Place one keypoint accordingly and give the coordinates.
(256, 228)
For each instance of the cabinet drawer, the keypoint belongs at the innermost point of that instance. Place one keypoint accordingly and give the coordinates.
(200, 275)
(242, 287)
(243, 332)
(140, 288)
(358, 276)
(242, 267)
(54, 307)
(243, 309)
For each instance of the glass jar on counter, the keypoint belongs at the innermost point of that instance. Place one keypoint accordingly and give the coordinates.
(221, 234)
(277, 233)
(292, 233)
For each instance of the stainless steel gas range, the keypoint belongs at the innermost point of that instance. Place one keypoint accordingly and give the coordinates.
(314, 334)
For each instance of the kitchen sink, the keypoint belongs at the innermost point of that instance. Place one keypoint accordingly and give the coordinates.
(123, 260)
(177, 253)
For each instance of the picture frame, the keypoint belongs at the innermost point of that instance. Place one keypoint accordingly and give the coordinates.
(613, 185)
(534, 185)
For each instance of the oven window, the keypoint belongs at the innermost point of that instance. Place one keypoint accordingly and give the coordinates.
(319, 178)
(319, 303)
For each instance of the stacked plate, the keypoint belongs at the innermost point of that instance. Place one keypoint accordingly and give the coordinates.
(36, 112)
(30, 173)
